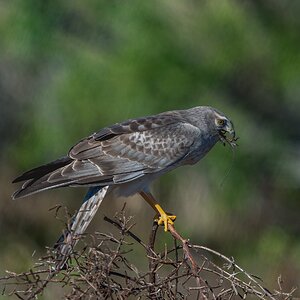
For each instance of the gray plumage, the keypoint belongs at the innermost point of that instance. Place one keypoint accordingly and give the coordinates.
(125, 158)
(67, 241)
(130, 154)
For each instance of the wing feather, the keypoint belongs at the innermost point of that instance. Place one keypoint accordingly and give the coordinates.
(118, 154)
(145, 151)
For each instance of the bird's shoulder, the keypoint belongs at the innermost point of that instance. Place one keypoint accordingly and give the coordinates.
(139, 125)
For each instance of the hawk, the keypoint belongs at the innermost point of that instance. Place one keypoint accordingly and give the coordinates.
(126, 157)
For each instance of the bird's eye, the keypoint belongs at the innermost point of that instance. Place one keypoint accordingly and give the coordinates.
(220, 122)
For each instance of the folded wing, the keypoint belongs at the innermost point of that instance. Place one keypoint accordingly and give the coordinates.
(116, 154)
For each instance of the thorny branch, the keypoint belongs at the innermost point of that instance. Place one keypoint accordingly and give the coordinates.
(106, 269)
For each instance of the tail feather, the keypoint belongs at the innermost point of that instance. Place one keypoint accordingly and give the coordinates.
(80, 222)
(65, 172)
(44, 169)
(34, 178)
(34, 186)
(62, 172)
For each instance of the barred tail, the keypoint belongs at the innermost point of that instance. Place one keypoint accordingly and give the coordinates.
(80, 222)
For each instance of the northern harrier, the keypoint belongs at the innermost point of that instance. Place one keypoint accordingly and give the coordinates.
(126, 157)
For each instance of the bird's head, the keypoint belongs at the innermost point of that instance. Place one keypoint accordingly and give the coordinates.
(225, 129)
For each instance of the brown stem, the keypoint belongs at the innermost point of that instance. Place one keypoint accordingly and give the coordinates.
(188, 254)
(176, 259)
(152, 264)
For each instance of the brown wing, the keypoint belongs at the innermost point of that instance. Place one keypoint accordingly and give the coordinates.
(120, 153)
(130, 155)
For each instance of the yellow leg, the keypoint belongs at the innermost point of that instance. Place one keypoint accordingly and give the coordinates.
(164, 218)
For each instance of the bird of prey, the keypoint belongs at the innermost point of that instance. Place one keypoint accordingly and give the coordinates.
(126, 157)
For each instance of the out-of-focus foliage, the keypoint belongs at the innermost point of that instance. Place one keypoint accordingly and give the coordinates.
(68, 68)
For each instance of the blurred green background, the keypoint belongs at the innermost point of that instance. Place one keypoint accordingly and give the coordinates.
(69, 68)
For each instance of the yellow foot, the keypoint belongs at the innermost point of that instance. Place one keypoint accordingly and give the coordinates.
(165, 219)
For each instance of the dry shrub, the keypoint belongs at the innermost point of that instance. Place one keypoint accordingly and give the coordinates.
(102, 269)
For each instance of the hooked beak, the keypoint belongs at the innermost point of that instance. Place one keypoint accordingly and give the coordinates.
(227, 135)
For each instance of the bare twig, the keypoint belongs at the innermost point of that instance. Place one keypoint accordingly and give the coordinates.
(105, 269)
